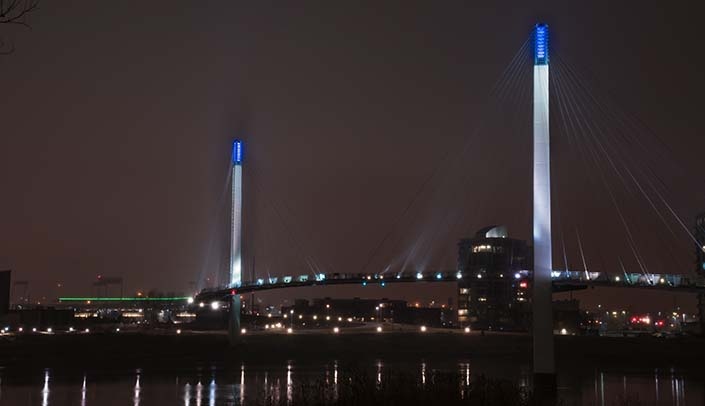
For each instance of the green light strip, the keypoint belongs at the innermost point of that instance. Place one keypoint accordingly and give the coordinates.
(122, 299)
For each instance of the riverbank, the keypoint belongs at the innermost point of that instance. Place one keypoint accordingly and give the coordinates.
(164, 350)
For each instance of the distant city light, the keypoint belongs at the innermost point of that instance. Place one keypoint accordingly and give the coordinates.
(215, 305)
(479, 276)
(419, 275)
(34, 329)
(178, 331)
(87, 330)
(459, 275)
(336, 330)
(379, 329)
(49, 330)
(439, 275)
(467, 329)
(517, 276)
(20, 329)
(243, 331)
(423, 329)
(201, 304)
(564, 331)
(616, 279)
(189, 300)
(290, 330)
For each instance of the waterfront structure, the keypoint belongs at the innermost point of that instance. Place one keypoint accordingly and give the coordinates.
(235, 275)
(493, 291)
(544, 363)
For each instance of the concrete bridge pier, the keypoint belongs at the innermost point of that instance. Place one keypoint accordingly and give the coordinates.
(234, 310)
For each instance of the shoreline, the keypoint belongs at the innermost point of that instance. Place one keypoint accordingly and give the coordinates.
(138, 349)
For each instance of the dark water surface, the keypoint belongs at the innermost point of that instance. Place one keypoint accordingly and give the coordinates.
(248, 382)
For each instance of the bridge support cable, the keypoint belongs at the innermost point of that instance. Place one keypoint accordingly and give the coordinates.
(630, 133)
(577, 118)
(609, 146)
(447, 164)
(214, 235)
(628, 121)
(603, 146)
(424, 244)
(308, 260)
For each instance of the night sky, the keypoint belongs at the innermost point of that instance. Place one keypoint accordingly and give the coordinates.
(117, 120)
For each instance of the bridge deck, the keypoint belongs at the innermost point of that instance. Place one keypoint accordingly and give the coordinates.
(562, 282)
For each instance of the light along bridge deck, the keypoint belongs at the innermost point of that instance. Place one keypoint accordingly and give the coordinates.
(563, 281)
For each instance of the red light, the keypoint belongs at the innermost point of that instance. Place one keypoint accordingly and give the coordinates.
(523, 285)
(233, 292)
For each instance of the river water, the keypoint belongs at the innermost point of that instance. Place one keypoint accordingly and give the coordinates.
(242, 384)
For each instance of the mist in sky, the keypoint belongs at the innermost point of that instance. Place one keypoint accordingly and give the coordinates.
(117, 120)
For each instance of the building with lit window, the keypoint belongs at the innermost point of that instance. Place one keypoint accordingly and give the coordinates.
(494, 290)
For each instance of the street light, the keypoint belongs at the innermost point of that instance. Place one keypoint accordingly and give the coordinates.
(336, 330)
(423, 329)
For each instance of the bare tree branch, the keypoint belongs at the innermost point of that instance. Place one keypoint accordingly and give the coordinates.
(15, 12)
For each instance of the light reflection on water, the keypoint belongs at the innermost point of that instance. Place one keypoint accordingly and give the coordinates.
(254, 382)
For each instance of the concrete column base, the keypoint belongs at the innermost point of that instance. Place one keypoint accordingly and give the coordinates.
(545, 387)
(234, 319)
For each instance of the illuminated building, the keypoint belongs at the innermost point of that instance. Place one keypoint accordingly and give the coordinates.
(490, 296)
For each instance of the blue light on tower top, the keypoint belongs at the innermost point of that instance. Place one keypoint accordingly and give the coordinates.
(541, 44)
(237, 152)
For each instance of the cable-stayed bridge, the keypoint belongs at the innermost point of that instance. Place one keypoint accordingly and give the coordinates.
(599, 144)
